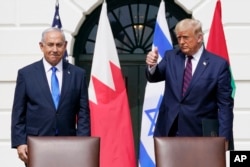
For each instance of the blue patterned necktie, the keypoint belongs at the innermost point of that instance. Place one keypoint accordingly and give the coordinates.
(187, 75)
(55, 87)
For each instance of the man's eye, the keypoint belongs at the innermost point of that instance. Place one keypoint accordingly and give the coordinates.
(50, 44)
(183, 37)
(59, 45)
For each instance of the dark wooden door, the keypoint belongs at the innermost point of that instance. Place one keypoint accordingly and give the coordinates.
(134, 75)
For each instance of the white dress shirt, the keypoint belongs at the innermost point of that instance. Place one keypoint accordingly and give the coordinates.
(48, 71)
(195, 60)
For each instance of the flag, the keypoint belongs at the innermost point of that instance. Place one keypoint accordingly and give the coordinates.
(109, 107)
(153, 93)
(217, 41)
(217, 44)
(58, 24)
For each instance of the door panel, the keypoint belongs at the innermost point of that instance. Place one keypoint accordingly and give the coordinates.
(135, 84)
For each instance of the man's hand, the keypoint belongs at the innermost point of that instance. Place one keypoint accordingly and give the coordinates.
(22, 151)
(152, 57)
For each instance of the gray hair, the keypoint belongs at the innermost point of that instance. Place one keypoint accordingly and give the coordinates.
(51, 29)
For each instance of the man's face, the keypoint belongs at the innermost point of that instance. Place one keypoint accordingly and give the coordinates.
(188, 41)
(53, 47)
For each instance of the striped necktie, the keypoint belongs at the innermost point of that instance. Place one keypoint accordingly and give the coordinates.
(187, 75)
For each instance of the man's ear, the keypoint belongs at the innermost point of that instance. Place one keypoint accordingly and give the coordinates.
(200, 39)
(41, 45)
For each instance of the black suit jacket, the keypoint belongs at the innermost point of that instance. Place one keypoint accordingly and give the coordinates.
(34, 112)
(207, 97)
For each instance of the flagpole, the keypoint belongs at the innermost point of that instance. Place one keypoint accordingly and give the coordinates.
(57, 23)
(107, 93)
(153, 92)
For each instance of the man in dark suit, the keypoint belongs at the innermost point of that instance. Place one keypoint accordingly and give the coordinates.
(184, 109)
(34, 112)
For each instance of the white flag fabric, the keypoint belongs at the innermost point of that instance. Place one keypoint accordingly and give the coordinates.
(109, 108)
(153, 93)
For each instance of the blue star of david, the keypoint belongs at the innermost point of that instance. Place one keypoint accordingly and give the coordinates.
(152, 116)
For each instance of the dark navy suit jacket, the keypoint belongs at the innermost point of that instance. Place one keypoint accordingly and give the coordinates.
(34, 112)
(207, 97)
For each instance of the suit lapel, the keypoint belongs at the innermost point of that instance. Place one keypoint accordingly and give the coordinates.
(201, 66)
(179, 70)
(43, 82)
(65, 81)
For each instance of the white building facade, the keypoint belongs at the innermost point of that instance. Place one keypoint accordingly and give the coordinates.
(21, 24)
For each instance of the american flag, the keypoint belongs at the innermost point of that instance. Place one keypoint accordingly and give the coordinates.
(58, 24)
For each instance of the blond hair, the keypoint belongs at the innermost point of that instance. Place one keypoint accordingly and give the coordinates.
(189, 24)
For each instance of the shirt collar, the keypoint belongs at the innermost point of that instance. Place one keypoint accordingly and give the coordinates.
(197, 55)
(48, 66)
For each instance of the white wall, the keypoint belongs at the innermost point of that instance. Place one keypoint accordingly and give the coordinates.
(22, 22)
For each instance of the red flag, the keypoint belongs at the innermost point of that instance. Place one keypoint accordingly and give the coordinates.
(110, 114)
(217, 41)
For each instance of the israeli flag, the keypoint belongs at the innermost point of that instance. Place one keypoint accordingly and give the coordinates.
(153, 93)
